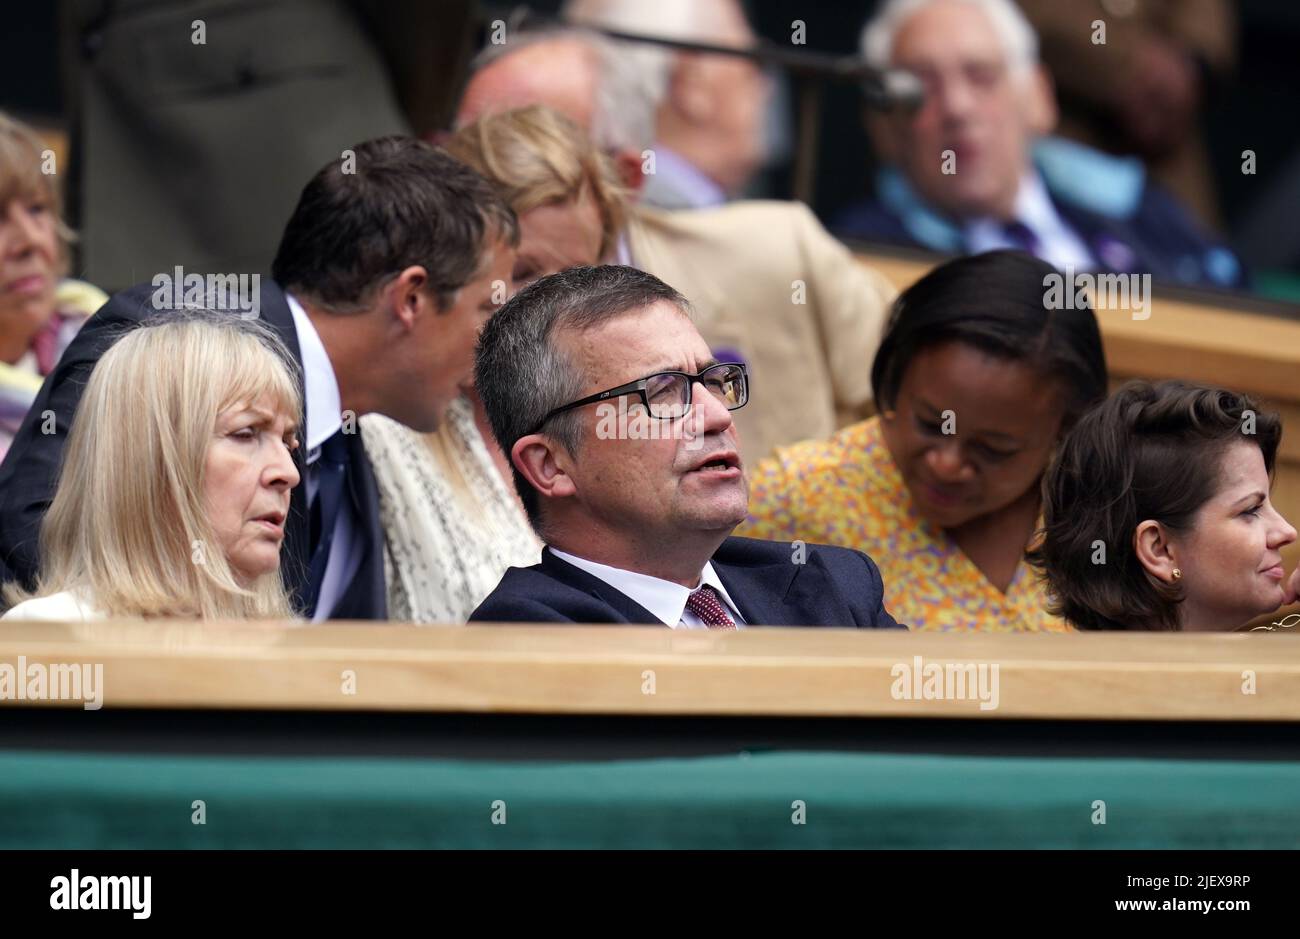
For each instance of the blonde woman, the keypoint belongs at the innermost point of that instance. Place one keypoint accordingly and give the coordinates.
(452, 522)
(175, 485)
(40, 308)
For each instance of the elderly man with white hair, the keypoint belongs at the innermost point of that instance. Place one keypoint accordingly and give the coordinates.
(769, 286)
(709, 120)
(701, 114)
(974, 168)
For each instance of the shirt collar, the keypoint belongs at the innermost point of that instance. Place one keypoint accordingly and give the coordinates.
(665, 600)
(1034, 206)
(324, 405)
(698, 190)
(1033, 209)
(623, 250)
(1059, 244)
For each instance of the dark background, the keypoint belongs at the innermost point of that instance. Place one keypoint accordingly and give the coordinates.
(1258, 111)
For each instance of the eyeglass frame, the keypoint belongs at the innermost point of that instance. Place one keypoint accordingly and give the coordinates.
(638, 387)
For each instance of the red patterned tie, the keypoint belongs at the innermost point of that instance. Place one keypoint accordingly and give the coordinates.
(705, 604)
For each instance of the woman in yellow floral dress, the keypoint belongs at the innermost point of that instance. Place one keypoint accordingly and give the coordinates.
(977, 378)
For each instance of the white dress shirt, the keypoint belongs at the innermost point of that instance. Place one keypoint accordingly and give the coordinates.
(1058, 243)
(623, 251)
(665, 600)
(324, 418)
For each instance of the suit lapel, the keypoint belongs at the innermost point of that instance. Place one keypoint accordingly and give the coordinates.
(367, 596)
(1113, 243)
(627, 609)
(275, 309)
(764, 593)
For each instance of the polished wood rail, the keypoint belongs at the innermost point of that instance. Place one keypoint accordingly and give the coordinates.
(658, 671)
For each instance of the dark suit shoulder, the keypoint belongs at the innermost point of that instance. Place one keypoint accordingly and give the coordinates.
(871, 221)
(757, 552)
(145, 302)
(752, 552)
(811, 584)
(525, 595)
(555, 591)
(133, 304)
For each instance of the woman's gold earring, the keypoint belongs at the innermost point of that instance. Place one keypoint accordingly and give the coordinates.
(889, 415)
(1177, 574)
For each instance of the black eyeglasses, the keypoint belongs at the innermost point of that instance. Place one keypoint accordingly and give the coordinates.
(667, 395)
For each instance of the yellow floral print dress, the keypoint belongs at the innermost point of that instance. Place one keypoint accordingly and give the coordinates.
(848, 491)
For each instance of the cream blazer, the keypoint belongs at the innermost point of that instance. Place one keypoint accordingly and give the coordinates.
(767, 280)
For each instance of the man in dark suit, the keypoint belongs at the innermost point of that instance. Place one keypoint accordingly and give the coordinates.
(617, 422)
(764, 579)
(384, 275)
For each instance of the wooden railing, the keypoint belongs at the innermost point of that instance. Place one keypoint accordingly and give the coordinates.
(658, 671)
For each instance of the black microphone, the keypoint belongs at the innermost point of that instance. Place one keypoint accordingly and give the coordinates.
(893, 89)
(885, 90)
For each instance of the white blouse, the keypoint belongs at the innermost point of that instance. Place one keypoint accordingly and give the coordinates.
(66, 607)
(452, 526)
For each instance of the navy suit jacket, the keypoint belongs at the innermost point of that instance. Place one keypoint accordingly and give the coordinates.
(833, 587)
(31, 468)
(1154, 234)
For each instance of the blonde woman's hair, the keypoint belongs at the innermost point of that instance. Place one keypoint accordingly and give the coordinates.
(22, 158)
(128, 526)
(536, 156)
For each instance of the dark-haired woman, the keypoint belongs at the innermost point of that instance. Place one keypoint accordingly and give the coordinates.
(976, 381)
(1157, 513)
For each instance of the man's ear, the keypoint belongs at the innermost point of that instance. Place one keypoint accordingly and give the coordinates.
(1040, 102)
(406, 298)
(1154, 551)
(629, 166)
(545, 465)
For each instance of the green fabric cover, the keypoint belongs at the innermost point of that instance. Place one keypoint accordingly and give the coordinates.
(852, 800)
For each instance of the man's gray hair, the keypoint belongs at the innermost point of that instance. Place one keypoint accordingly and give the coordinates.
(521, 375)
(1018, 36)
(640, 73)
(626, 96)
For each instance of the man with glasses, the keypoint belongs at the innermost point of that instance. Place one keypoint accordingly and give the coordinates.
(768, 284)
(618, 424)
